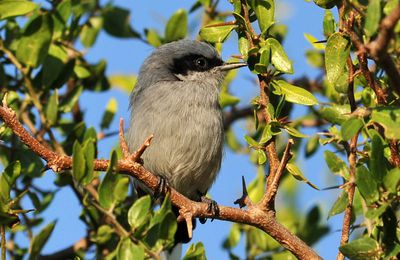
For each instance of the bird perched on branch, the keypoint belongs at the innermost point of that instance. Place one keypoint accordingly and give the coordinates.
(176, 99)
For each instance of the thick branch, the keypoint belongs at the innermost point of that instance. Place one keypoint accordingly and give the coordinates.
(69, 252)
(265, 220)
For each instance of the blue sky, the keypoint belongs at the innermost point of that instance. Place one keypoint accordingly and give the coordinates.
(126, 56)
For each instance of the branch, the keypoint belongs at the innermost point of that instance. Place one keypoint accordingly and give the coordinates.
(69, 252)
(378, 48)
(255, 216)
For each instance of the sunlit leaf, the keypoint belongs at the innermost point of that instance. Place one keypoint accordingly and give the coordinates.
(11, 8)
(265, 11)
(373, 17)
(35, 42)
(108, 116)
(351, 127)
(279, 57)
(195, 252)
(361, 248)
(176, 27)
(298, 175)
(293, 93)
(336, 53)
(216, 33)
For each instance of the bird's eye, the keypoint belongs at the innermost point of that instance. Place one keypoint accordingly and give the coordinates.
(201, 63)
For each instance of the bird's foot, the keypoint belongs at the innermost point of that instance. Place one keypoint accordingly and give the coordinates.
(213, 208)
(162, 187)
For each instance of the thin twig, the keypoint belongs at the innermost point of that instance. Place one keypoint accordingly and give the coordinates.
(122, 142)
(3, 242)
(270, 194)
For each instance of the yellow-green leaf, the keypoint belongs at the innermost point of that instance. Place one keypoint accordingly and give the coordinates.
(216, 33)
(11, 8)
(293, 93)
(279, 57)
(298, 175)
(336, 53)
(176, 26)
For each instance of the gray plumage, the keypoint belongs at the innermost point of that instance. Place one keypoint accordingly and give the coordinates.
(176, 98)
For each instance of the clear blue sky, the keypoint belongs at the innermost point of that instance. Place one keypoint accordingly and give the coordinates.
(125, 56)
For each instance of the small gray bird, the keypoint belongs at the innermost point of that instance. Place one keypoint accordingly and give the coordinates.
(176, 99)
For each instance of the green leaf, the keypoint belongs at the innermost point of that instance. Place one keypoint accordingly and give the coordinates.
(367, 185)
(138, 213)
(340, 205)
(265, 11)
(377, 159)
(7, 181)
(361, 249)
(121, 188)
(266, 134)
(195, 252)
(231, 140)
(351, 127)
(327, 4)
(336, 53)
(243, 44)
(253, 143)
(60, 18)
(90, 31)
(256, 187)
(103, 235)
(265, 55)
(294, 132)
(108, 116)
(373, 17)
(391, 180)
(106, 194)
(315, 58)
(298, 175)
(233, 238)
(312, 145)
(176, 27)
(52, 108)
(117, 24)
(279, 57)
(78, 162)
(389, 118)
(38, 241)
(81, 72)
(89, 151)
(336, 114)
(226, 99)
(262, 157)
(329, 23)
(336, 165)
(35, 42)
(153, 38)
(54, 64)
(123, 82)
(11, 8)
(70, 100)
(293, 93)
(128, 250)
(215, 34)
(314, 42)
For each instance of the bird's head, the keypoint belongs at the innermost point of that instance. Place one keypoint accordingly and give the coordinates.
(185, 60)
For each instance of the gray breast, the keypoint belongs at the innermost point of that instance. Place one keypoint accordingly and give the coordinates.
(188, 133)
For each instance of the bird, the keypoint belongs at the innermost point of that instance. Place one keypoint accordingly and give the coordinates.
(176, 99)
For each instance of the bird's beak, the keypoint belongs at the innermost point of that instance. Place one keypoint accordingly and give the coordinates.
(231, 65)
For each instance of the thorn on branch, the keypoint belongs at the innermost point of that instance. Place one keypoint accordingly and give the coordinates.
(186, 215)
(122, 142)
(244, 200)
(135, 157)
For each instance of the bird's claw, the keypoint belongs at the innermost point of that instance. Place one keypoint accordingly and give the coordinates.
(212, 208)
(162, 187)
